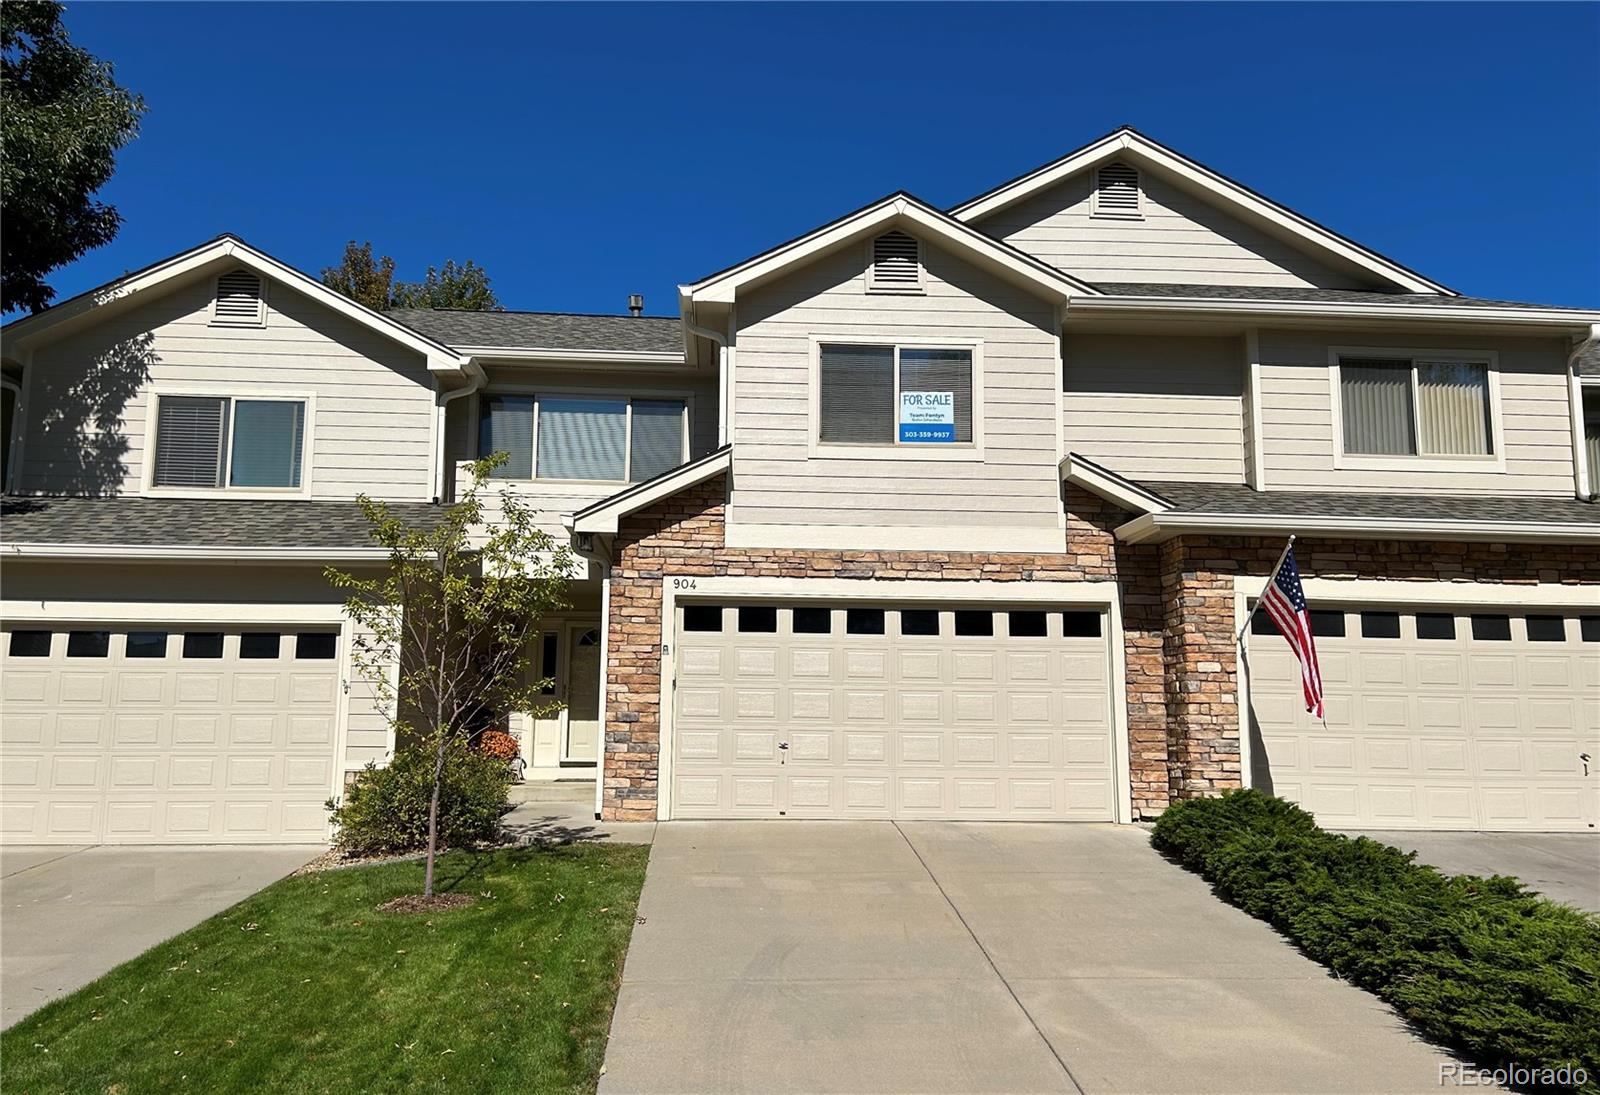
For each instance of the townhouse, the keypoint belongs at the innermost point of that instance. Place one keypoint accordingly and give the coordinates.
(927, 513)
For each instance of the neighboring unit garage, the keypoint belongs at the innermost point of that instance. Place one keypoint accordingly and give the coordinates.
(892, 709)
(163, 732)
(1438, 717)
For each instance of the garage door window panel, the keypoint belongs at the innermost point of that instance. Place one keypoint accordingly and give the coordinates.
(1589, 628)
(702, 617)
(205, 645)
(316, 645)
(1546, 629)
(1436, 625)
(1327, 624)
(919, 621)
(1380, 625)
(863, 621)
(813, 621)
(1086, 625)
(30, 644)
(1027, 625)
(260, 645)
(88, 644)
(1495, 629)
(146, 644)
(972, 624)
(758, 619)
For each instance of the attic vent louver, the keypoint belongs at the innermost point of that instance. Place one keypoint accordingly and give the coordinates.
(896, 264)
(240, 300)
(1116, 191)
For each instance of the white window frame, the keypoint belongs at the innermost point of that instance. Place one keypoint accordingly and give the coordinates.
(917, 290)
(895, 449)
(1495, 460)
(148, 486)
(538, 391)
(1586, 480)
(1117, 214)
(260, 319)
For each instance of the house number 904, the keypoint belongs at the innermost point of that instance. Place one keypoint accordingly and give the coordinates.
(683, 583)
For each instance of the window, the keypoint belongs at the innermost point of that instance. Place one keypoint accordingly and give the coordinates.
(1380, 625)
(259, 645)
(974, 623)
(1546, 629)
(88, 644)
(547, 662)
(1588, 629)
(146, 644)
(1080, 625)
(1027, 625)
(1261, 624)
(202, 644)
(813, 621)
(1491, 628)
(919, 621)
(896, 265)
(1327, 624)
(1591, 434)
(863, 621)
(702, 617)
(30, 644)
(583, 437)
(894, 395)
(1436, 625)
(758, 619)
(206, 442)
(1116, 192)
(319, 646)
(240, 300)
(1399, 407)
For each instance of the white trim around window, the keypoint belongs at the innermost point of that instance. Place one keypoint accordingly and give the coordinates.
(1494, 461)
(535, 391)
(895, 449)
(233, 395)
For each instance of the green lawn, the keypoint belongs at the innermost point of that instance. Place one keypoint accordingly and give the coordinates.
(305, 987)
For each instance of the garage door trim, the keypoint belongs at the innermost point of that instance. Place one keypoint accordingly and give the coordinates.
(126, 613)
(1097, 594)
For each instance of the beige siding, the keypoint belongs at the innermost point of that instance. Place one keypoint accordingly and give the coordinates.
(89, 393)
(1297, 417)
(1156, 407)
(777, 482)
(1181, 240)
(367, 723)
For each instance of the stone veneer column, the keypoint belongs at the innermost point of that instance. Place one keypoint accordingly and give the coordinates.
(1201, 671)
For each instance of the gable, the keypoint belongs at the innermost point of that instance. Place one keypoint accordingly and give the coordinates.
(1178, 237)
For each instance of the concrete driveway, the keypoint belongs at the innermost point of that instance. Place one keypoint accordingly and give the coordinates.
(882, 957)
(73, 913)
(1562, 866)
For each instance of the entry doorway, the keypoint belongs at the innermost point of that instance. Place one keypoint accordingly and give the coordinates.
(566, 653)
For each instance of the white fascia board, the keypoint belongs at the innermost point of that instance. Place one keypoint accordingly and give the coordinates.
(30, 331)
(1332, 311)
(1431, 591)
(598, 357)
(1113, 489)
(1157, 527)
(1047, 280)
(190, 552)
(1140, 147)
(603, 517)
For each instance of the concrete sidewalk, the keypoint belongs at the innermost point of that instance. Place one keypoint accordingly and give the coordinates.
(71, 914)
(875, 957)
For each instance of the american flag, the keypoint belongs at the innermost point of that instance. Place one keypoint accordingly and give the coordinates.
(1285, 601)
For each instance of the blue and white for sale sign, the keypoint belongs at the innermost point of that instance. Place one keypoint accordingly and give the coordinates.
(927, 416)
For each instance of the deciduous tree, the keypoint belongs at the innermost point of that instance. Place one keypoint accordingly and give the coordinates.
(360, 277)
(464, 287)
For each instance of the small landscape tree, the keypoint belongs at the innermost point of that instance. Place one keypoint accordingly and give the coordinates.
(454, 611)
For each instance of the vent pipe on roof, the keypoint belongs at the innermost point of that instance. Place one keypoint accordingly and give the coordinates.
(636, 304)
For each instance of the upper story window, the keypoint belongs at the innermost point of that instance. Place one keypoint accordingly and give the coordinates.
(241, 300)
(894, 395)
(576, 437)
(1591, 433)
(896, 264)
(1116, 192)
(215, 442)
(1415, 407)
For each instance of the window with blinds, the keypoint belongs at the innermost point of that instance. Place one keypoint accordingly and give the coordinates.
(212, 441)
(1405, 407)
(860, 388)
(580, 437)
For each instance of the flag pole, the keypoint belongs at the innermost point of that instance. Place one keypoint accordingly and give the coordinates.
(1239, 638)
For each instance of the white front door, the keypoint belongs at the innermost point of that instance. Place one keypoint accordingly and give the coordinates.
(583, 695)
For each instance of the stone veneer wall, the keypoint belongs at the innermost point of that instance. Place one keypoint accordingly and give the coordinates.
(1177, 609)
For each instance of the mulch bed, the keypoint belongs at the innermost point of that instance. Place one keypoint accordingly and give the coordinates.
(416, 903)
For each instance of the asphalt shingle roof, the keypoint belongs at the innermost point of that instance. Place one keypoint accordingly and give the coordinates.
(195, 522)
(545, 330)
(1236, 498)
(1319, 296)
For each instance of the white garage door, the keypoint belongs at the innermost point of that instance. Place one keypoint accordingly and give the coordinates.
(1436, 720)
(165, 735)
(818, 711)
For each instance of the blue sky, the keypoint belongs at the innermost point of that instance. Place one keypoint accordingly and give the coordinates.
(580, 153)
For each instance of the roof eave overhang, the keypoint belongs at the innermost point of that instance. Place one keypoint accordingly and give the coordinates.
(1112, 487)
(1330, 312)
(1157, 527)
(193, 553)
(603, 517)
(897, 209)
(573, 357)
(1129, 143)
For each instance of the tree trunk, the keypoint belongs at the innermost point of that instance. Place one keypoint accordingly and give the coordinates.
(433, 816)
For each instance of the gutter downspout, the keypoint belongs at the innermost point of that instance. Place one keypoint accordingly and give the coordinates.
(477, 379)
